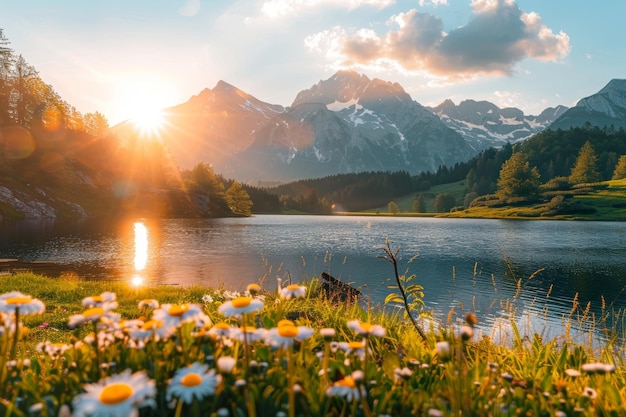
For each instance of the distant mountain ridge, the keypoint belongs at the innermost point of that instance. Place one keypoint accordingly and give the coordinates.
(212, 125)
(607, 108)
(347, 124)
(350, 123)
(483, 124)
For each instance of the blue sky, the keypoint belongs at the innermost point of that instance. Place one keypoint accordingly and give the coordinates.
(114, 56)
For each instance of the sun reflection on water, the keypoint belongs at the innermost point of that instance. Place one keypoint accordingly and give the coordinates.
(141, 251)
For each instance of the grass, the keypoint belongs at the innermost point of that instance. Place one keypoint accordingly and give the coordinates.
(457, 189)
(451, 373)
(602, 201)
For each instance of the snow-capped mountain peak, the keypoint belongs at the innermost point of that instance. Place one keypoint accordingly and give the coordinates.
(605, 108)
(483, 124)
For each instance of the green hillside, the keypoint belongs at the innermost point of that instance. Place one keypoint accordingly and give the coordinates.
(601, 201)
(457, 189)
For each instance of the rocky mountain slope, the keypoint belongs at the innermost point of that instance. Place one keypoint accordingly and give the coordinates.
(211, 126)
(483, 124)
(350, 123)
(605, 108)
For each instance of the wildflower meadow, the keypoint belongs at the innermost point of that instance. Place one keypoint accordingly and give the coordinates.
(70, 348)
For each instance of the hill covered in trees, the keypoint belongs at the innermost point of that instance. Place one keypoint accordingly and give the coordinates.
(553, 153)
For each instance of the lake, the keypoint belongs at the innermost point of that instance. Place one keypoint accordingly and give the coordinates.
(544, 271)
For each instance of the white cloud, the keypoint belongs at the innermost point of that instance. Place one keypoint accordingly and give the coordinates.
(498, 36)
(433, 3)
(506, 99)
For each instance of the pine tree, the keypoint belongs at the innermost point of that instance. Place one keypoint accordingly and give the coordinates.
(238, 199)
(585, 168)
(444, 202)
(393, 207)
(620, 168)
(419, 204)
(517, 178)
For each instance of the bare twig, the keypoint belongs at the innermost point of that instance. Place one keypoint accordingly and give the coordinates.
(392, 258)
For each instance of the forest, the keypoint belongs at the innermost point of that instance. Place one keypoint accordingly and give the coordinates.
(552, 152)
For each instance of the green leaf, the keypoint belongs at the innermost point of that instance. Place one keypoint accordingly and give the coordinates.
(394, 298)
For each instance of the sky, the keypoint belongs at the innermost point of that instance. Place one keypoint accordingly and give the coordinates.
(117, 56)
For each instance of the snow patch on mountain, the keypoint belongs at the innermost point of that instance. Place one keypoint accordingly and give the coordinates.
(485, 125)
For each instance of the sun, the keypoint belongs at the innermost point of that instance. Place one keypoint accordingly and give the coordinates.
(148, 121)
(141, 100)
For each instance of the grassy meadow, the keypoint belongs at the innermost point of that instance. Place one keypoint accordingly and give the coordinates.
(110, 349)
(604, 201)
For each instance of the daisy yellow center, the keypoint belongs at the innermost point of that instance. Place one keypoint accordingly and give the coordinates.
(18, 300)
(285, 322)
(355, 345)
(97, 298)
(115, 393)
(152, 324)
(178, 310)
(366, 327)
(191, 380)
(241, 302)
(93, 312)
(347, 382)
(254, 287)
(222, 326)
(293, 287)
(288, 331)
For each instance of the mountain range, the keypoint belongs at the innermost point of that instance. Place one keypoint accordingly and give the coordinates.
(351, 123)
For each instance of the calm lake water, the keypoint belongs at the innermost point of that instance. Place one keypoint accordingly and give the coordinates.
(468, 265)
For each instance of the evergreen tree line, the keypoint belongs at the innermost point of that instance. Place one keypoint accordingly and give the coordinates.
(27, 101)
(345, 192)
(553, 154)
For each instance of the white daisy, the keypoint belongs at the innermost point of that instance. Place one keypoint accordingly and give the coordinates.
(356, 348)
(366, 329)
(284, 336)
(54, 350)
(99, 300)
(402, 374)
(250, 333)
(118, 395)
(192, 381)
(177, 314)
(226, 364)
(328, 333)
(94, 314)
(239, 306)
(253, 289)
(293, 291)
(157, 329)
(443, 349)
(12, 301)
(346, 388)
(598, 368)
(219, 330)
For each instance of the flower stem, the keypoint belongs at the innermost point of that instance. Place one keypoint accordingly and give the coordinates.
(292, 393)
(179, 408)
(16, 336)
